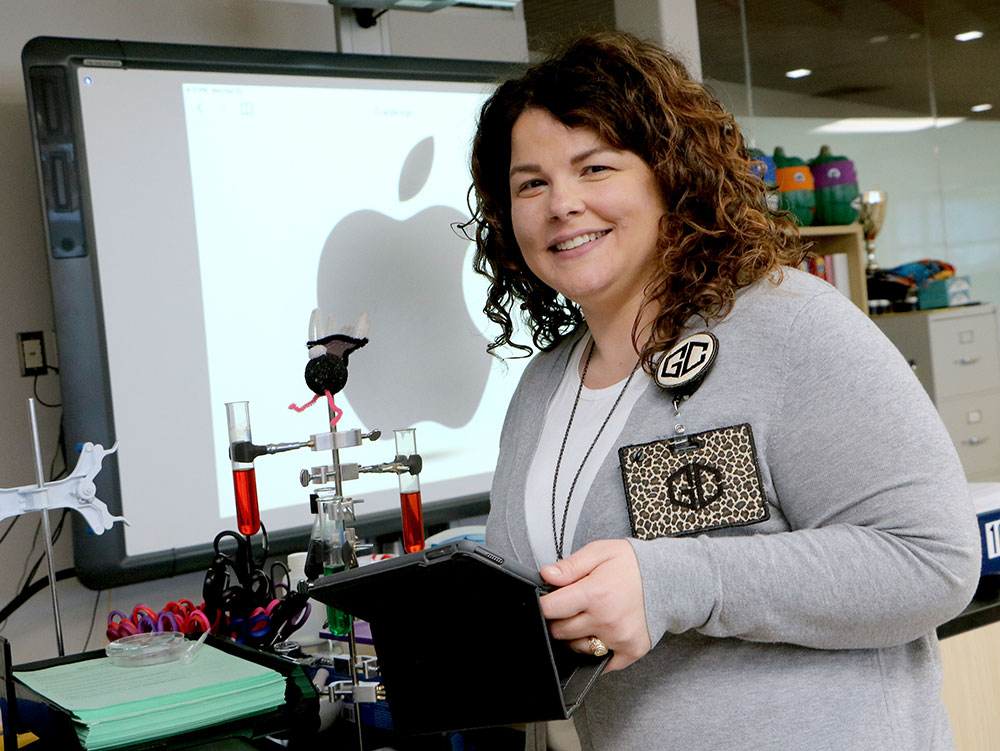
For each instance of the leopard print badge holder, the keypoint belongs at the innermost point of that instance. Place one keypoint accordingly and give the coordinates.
(692, 483)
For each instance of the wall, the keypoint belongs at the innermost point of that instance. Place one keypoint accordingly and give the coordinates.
(896, 60)
(673, 23)
(941, 184)
(24, 288)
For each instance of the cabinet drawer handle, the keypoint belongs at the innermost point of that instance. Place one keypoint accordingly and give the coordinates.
(975, 441)
(967, 361)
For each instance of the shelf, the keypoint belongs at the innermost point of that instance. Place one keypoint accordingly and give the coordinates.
(833, 229)
(850, 240)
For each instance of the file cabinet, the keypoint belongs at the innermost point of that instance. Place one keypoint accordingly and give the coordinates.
(955, 352)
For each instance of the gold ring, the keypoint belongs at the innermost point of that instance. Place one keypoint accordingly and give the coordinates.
(597, 647)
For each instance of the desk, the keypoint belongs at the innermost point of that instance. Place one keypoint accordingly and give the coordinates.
(970, 660)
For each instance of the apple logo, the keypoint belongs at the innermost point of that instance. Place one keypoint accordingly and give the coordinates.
(426, 357)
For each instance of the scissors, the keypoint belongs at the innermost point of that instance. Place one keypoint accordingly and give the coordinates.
(252, 629)
(197, 622)
(288, 615)
(143, 620)
(180, 608)
(252, 588)
(247, 568)
(120, 625)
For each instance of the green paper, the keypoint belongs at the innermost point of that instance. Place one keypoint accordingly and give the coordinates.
(113, 705)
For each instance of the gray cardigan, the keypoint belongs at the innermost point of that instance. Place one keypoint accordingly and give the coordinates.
(814, 628)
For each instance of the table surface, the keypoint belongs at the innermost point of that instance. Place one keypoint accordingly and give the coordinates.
(982, 611)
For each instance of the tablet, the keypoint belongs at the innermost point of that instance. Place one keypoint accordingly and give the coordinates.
(461, 640)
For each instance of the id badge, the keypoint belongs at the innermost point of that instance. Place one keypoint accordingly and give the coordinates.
(693, 483)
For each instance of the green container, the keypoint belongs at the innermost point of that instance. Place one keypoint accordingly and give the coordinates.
(795, 187)
(838, 200)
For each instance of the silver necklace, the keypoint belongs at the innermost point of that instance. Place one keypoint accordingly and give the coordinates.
(559, 536)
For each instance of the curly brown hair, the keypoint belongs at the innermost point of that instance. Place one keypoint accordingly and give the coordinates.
(717, 235)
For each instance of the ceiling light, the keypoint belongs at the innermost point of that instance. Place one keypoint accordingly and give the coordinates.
(968, 36)
(981, 107)
(886, 124)
(879, 39)
(798, 73)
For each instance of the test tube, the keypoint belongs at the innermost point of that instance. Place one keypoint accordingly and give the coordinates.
(327, 543)
(409, 493)
(244, 478)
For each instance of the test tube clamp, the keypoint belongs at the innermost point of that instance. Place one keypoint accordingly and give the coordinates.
(77, 492)
(360, 688)
(367, 692)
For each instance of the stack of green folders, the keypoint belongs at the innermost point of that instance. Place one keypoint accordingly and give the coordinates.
(116, 706)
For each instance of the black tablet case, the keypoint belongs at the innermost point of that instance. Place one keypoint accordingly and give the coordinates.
(461, 640)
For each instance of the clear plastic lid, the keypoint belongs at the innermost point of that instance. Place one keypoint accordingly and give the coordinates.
(154, 648)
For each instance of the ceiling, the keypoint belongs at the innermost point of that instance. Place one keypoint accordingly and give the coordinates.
(897, 55)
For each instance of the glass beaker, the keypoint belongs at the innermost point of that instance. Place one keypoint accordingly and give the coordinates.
(326, 545)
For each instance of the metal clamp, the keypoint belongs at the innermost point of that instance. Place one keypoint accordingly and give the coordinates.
(401, 465)
(340, 439)
(366, 665)
(77, 492)
(326, 473)
(362, 693)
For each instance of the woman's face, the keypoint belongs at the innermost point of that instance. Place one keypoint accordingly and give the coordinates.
(585, 215)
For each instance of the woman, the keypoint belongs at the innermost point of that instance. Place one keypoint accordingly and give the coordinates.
(736, 481)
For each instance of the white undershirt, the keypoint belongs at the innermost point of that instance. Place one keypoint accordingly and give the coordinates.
(591, 412)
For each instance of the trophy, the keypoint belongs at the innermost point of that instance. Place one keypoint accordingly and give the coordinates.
(872, 218)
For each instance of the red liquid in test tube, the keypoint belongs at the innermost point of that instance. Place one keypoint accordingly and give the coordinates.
(409, 494)
(413, 522)
(247, 511)
(244, 477)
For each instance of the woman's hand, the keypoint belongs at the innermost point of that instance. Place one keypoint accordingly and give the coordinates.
(600, 595)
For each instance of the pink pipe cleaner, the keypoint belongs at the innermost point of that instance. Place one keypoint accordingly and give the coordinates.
(305, 406)
(337, 411)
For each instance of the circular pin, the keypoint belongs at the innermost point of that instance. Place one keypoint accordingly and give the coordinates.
(683, 368)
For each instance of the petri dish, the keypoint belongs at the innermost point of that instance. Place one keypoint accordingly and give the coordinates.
(154, 648)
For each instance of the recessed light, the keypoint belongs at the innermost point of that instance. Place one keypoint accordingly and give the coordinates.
(981, 107)
(968, 36)
(879, 39)
(886, 124)
(798, 73)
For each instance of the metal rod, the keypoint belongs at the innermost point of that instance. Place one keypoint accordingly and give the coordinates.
(932, 102)
(277, 448)
(353, 648)
(338, 487)
(338, 484)
(747, 77)
(40, 475)
(338, 38)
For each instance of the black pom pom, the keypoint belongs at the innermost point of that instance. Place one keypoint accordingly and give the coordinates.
(326, 373)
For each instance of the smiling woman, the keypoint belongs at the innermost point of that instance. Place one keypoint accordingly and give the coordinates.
(585, 215)
(711, 459)
(638, 104)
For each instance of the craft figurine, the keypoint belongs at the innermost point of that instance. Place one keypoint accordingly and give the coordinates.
(326, 370)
